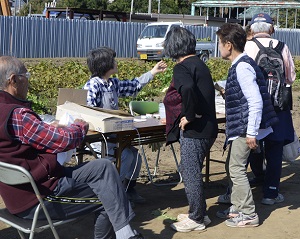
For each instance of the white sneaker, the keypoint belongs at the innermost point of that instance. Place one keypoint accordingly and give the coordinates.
(225, 198)
(181, 217)
(243, 220)
(187, 225)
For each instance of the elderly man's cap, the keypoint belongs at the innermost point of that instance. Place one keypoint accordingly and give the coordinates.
(261, 17)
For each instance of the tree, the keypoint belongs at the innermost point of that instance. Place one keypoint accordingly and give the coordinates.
(120, 6)
(89, 4)
(141, 6)
(33, 6)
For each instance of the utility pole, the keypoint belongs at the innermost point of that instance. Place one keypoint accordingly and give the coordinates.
(5, 8)
(149, 7)
(131, 10)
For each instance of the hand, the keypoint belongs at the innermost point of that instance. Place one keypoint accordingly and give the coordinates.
(183, 123)
(83, 123)
(163, 121)
(159, 67)
(220, 89)
(251, 142)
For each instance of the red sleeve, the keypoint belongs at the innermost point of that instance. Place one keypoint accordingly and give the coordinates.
(30, 129)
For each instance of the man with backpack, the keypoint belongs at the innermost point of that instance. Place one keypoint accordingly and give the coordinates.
(275, 60)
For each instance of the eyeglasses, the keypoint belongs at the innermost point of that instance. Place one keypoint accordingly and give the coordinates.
(27, 75)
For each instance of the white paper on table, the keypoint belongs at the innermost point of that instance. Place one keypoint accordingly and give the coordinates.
(65, 157)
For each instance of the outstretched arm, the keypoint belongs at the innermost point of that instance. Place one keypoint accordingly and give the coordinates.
(158, 68)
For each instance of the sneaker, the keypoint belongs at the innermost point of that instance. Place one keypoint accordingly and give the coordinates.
(228, 213)
(225, 198)
(181, 217)
(134, 197)
(187, 225)
(243, 220)
(271, 201)
(137, 236)
(132, 204)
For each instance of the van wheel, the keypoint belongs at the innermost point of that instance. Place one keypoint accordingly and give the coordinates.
(204, 57)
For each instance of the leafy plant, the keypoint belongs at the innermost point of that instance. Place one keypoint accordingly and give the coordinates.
(50, 75)
(218, 68)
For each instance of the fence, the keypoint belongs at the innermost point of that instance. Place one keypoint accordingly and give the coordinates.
(33, 37)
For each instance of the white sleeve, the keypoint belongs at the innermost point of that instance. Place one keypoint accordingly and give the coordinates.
(246, 77)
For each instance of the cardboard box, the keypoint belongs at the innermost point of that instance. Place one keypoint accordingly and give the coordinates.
(101, 120)
(77, 96)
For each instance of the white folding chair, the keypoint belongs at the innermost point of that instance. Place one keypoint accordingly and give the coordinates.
(150, 107)
(14, 175)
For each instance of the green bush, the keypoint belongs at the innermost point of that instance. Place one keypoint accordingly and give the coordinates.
(48, 76)
(218, 68)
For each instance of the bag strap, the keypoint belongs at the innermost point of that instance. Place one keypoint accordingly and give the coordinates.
(258, 43)
(279, 46)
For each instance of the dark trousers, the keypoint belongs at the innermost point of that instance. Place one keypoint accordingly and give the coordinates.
(272, 174)
(256, 161)
(97, 179)
(273, 153)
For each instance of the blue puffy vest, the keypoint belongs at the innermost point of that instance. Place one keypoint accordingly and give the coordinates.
(237, 106)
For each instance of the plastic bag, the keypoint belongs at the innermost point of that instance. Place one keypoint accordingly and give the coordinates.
(291, 151)
(65, 157)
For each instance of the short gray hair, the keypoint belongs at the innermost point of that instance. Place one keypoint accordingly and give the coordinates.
(259, 27)
(9, 65)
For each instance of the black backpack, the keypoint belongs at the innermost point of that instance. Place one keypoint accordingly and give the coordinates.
(271, 63)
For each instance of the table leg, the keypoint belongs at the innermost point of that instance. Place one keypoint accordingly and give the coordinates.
(207, 167)
(118, 155)
(103, 150)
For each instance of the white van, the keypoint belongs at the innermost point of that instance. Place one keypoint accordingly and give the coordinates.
(150, 42)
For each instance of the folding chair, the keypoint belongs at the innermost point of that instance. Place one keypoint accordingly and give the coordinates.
(14, 175)
(150, 107)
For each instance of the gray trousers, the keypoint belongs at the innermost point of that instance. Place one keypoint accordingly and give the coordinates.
(241, 195)
(96, 179)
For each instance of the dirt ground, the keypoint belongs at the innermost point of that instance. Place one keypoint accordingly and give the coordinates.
(164, 203)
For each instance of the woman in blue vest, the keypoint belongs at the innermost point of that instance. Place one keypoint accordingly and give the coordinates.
(249, 117)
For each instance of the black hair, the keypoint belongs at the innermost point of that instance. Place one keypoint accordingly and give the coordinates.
(179, 42)
(234, 33)
(101, 60)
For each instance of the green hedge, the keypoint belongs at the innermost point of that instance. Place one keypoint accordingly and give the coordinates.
(50, 75)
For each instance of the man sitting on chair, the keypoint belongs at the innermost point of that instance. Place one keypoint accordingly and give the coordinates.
(27, 141)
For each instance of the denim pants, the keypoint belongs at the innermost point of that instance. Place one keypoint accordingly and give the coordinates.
(131, 162)
(96, 179)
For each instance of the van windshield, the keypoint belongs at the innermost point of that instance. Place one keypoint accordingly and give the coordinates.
(157, 31)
